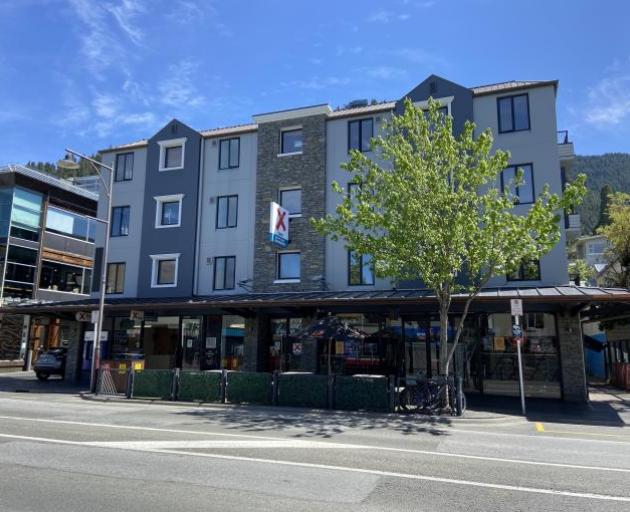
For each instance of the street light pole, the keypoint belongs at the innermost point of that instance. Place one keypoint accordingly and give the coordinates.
(69, 163)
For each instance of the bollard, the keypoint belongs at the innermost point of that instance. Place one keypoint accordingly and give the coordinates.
(458, 396)
(129, 390)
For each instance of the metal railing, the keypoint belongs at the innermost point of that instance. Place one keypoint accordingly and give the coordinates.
(563, 136)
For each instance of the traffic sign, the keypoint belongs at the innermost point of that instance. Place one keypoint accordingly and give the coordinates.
(516, 306)
(82, 316)
(517, 331)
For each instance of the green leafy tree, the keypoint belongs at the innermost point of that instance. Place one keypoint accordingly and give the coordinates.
(580, 271)
(605, 195)
(618, 234)
(428, 207)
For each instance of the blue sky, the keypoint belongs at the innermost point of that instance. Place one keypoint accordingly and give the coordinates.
(93, 73)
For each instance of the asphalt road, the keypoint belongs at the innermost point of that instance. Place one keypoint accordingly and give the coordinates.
(59, 452)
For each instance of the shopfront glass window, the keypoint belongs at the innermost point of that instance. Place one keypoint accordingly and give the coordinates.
(232, 341)
(64, 278)
(541, 364)
(126, 341)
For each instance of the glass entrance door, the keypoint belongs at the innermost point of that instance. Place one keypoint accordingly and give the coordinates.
(190, 343)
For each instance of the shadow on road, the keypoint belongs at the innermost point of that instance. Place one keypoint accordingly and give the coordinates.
(604, 410)
(26, 382)
(321, 424)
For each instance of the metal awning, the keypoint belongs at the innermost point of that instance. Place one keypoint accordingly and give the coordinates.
(385, 298)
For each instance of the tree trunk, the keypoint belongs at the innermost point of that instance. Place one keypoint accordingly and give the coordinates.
(444, 361)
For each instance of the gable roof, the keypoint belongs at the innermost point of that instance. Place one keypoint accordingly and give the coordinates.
(512, 85)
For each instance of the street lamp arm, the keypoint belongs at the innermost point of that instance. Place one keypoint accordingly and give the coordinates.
(94, 164)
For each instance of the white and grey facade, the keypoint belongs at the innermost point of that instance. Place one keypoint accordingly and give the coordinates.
(189, 247)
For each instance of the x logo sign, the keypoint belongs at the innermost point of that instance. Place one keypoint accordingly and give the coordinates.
(280, 221)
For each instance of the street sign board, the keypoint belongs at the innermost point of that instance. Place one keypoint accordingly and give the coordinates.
(517, 331)
(278, 225)
(516, 306)
(82, 316)
(94, 317)
(136, 315)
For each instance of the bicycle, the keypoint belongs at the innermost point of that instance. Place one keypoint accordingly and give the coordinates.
(429, 396)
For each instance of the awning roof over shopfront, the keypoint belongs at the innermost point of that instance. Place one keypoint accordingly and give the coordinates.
(394, 298)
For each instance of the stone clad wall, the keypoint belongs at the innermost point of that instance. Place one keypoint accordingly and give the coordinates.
(572, 358)
(306, 170)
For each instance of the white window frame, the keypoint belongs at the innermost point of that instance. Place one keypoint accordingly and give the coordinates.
(444, 102)
(159, 201)
(155, 260)
(291, 129)
(171, 143)
(290, 279)
(285, 189)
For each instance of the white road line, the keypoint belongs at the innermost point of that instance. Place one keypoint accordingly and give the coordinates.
(324, 445)
(234, 444)
(390, 474)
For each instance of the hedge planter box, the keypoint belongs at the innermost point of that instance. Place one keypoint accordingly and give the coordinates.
(153, 384)
(362, 392)
(248, 387)
(303, 390)
(196, 386)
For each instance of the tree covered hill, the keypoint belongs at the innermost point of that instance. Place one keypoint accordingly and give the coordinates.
(608, 169)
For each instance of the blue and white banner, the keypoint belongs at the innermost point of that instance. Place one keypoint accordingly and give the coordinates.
(278, 225)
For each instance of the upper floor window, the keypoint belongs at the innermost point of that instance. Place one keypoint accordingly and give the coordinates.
(513, 113)
(227, 212)
(70, 224)
(360, 269)
(172, 154)
(289, 266)
(523, 193)
(115, 278)
(360, 132)
(120, 221)
(168, 211)
(229, 150)
(291, 199)
(224, 270)
(527, 271)
(291, 141)
(164, 270)
(124, 167)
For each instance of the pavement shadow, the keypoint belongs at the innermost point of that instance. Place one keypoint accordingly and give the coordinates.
(317, 424)
(26, 382)
(603, 412)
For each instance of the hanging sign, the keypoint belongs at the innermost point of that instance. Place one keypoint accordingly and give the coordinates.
(516, 307)
(278, 225)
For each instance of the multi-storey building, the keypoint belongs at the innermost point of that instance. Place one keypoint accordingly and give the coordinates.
(47, 231)
(189, 247)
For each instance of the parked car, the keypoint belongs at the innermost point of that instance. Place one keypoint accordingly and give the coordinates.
(51, 362)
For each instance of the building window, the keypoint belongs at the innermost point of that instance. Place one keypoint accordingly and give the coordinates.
(65, 278)
(523, 193)
(120, 221)
(115, 278)
(229, 150)
(513, 113)
(360, 132)
(527, 271)
(291, 199)
(124, 167)
(224, 270)
(288, 266)
(227, 212)
(70, 224)
(291, 141)
(168, 211)
(164, 270)
(172, 154)
(360, 269)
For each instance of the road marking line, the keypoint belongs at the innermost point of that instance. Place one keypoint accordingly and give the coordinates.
(390, 474)
(539, 427)
(598, 434)
(279, 443)
(325, 445)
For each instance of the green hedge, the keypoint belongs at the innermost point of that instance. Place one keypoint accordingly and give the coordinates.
(303, 390)
(153, 384)
(195, 386)
(246, 387)
(361, 393)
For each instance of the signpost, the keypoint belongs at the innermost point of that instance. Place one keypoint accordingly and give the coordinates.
(278, 225)
(516, 307)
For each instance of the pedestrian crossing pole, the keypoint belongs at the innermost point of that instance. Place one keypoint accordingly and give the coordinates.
(516, 307)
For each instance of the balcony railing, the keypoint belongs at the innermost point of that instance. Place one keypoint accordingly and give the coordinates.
(563, 137)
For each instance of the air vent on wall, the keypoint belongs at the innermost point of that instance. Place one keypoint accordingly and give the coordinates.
(433, 87)
(209, 261)
(214, 142)
(174, 128)
(212, 199)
